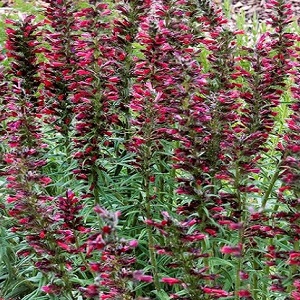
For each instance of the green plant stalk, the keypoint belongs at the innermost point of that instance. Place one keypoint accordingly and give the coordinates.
(275, 176)
(255, 281)
(193, 289)
(146, 186)
(152, 254)
(272, 182)
(96, 191)
(241, 231)
(270, 188)
(173, 175)
(161, 183)
(266, 272)
(264, 290)
(66, 280)
(81, 254)
(237, 279)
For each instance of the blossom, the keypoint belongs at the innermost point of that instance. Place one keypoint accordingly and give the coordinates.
(234, 250)
(170, 280)
(50, 289)
(138, 275)
(215, 292)
(244, 293)
(294, 258)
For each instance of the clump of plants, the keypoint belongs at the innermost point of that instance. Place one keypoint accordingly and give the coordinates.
(149, 151)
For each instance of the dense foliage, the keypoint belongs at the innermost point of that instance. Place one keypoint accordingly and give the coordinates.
(149, 151)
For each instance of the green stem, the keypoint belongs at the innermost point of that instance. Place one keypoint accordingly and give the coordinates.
(270, 188)
(150, 234)
(265, 285)
(153, 259)
(81, 254)
(238, 279)
(272, 182)
(255, 280)
(96, 187)
(240, 201)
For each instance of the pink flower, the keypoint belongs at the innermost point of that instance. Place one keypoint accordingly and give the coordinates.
(133, 244)
(45, 180)
(243, 275)
(244, 293)
(50, 289)
(170, 280)
(138, 275)
(215, 292)
(294, 258)
(234, 250)
(296, 295)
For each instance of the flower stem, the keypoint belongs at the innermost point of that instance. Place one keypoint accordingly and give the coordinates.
(149, 231)
(270, 188)
(240, 201)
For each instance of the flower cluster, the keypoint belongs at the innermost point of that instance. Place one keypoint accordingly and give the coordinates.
(94, 89)
(114, 268)
(23, 134)
(58, 66)
(48, 234)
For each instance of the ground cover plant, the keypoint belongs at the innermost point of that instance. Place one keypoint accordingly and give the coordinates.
(149, 150)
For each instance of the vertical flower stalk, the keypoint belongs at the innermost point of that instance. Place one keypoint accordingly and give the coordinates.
(95, 92)
(289, 192)
(265, 81)
(57, 68)
(157, 89)
(23, 129)
(125, 28)
(28, 204)
(3, 112)
(207, 115)
(113, 271)
(179, 100)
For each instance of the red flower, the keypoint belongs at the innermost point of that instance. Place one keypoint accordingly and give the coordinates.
(234, 250)
(215, 292)
(244, 293)
(50, 289)
(294, 258)
(138, 275)
(170, 280)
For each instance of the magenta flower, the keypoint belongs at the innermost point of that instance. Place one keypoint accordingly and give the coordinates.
(170, 280)
(138, 275)
(294, 258)
(50, 289)
(234, 250)
(214, 292)
(244, 293)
